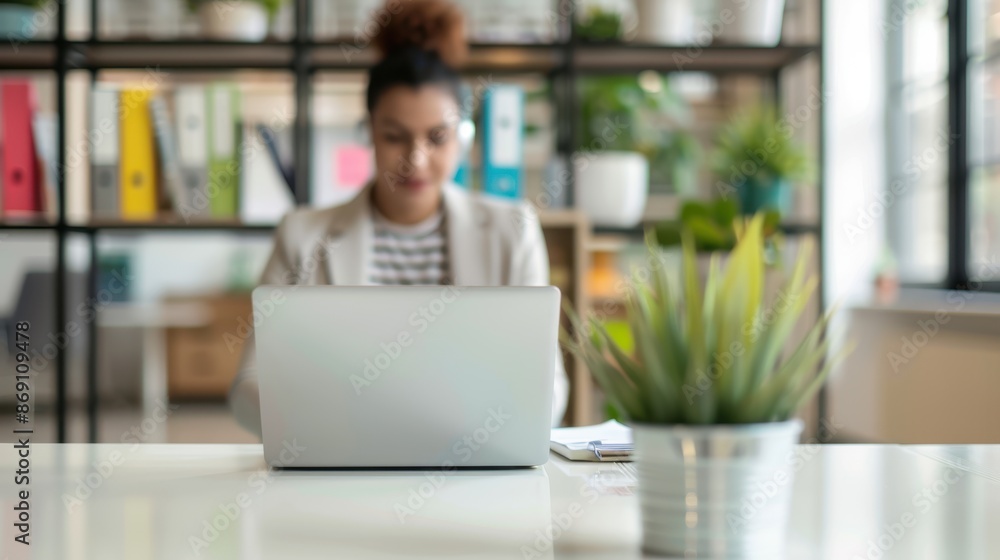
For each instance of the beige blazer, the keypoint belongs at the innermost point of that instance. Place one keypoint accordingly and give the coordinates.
(491, 242)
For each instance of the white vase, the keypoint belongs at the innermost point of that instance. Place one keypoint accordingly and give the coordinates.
(233, 20)
(719, 491)
(756, 22)
(611, 187)
(668, 22)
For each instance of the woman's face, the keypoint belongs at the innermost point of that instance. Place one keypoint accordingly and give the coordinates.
(414, 133)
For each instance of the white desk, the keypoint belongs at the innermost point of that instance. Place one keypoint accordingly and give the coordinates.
(159, 497)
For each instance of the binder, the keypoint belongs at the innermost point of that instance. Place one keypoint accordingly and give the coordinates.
(1, 153)
(223, 159)
(190, 108)
(138, 158)
(45, 130)
(78, 198)
(503, 138)
(265, 198)
(167, 148)
(104, 160)
(21, 189)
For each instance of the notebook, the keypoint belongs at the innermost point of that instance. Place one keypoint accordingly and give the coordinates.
(575, 443)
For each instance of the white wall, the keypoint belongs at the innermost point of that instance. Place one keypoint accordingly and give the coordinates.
(855, 171)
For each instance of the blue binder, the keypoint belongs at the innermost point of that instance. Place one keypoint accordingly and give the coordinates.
(503, 141)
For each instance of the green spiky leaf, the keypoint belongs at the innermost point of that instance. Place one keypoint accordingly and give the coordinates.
(708, 349)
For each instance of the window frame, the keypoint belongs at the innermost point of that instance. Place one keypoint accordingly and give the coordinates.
(960, 167)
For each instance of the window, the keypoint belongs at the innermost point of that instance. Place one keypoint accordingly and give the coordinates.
(944, 141)
(919, 132)
(984, 140)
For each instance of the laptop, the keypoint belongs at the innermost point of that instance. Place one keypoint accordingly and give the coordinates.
(410, 376)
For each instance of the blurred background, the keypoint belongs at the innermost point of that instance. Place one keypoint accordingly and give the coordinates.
(869, 129)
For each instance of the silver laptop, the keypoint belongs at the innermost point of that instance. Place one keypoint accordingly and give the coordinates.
(425, 377)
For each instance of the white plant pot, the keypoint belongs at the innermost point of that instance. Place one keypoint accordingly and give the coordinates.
(756, 22)
(612, 187)
(233, 20)
(715, 491)
(668, 22)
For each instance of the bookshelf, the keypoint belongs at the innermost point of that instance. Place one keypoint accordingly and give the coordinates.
(302, 57)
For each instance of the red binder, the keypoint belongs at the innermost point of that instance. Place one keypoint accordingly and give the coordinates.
(21, 192)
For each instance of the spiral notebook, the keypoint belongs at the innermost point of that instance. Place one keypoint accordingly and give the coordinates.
(610, 441)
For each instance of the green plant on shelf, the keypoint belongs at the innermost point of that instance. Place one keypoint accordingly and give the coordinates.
(598, 24)
(713, 226)
(710, 352)
(29, 3)
(757, 159)
(760, 136)
(642, 114)
(270, 6)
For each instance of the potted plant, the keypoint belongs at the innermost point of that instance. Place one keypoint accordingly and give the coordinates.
(16, 18)
(235, 20)
(711, 400)
(757, 159)
(599, 24)
(667, 22)
(755, 22)
(633, 133)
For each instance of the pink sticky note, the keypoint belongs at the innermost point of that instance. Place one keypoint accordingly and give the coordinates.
(353, 166)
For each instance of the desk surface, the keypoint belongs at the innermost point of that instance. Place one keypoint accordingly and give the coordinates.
(137, 502)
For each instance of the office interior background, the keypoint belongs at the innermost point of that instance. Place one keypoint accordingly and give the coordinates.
(895, 103)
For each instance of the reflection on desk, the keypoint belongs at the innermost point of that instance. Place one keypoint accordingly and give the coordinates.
(105, 502)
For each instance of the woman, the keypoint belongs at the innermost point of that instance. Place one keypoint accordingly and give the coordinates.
(410, 224)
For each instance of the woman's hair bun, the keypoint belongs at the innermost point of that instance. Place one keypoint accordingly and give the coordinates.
(431, 25)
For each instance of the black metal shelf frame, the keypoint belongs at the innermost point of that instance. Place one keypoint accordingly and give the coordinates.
(581, 57)
(562, 62)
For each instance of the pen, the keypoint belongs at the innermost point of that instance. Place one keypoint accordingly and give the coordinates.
(610, 450)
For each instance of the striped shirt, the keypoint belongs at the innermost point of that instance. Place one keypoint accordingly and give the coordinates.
(409, 254)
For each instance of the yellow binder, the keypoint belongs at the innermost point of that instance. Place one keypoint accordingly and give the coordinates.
(138, 156)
